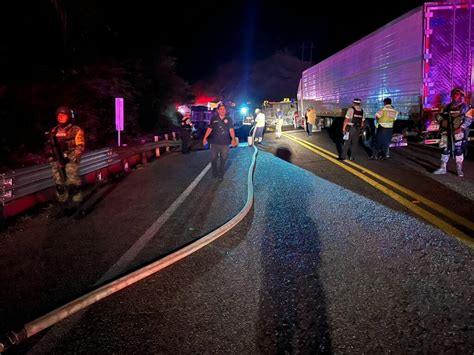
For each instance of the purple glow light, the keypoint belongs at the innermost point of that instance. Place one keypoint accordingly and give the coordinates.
(119, 113)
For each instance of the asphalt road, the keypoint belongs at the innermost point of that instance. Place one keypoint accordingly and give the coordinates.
(323, 263)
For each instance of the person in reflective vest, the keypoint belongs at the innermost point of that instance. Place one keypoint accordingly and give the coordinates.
(259, 125)
(460, 115)
(385, 118)
(353, 124)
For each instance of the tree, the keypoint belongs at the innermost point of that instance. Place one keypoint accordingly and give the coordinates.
(272, 78)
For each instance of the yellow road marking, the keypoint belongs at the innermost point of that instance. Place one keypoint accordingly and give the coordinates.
(447, 228)
(451, 215)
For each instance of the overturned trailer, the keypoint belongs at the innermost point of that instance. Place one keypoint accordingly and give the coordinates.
(416, 60)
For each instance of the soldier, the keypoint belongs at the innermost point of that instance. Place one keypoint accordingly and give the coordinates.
(353, 123)
(66, 143)
(454, 120)
(186, 128)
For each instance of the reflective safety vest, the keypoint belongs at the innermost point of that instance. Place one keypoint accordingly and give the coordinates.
(260, 120)
(386, 116)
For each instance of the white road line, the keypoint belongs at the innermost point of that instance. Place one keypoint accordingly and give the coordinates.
(77, 307)
(136, 248)
(60, 332)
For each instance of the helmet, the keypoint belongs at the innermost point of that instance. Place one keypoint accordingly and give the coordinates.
(257, 110)
(457, 91)
(64, 110)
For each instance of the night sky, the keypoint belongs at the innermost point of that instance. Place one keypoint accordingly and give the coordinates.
(201, 35)
(248, 30)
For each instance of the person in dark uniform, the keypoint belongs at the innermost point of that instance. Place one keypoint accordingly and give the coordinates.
(186, 128)
(353, 123)
(221, 133)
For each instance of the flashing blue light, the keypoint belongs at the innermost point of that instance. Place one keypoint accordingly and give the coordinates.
(244, 110)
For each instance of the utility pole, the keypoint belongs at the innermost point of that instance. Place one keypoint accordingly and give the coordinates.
(310, 47)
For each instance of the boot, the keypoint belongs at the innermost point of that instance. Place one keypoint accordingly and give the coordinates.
(72, 207)
(441, 170)
(459, 161)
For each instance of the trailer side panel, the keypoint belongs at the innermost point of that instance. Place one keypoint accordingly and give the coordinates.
(386, 63)
(448, 51)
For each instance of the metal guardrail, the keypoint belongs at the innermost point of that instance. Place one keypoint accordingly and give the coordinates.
(26, 181)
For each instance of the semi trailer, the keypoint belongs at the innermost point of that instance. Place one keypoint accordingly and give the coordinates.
(416, 60)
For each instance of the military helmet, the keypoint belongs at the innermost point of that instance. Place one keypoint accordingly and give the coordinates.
(64, 109)
(457, 91)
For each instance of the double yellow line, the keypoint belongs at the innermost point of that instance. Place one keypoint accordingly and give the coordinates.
(364, 174)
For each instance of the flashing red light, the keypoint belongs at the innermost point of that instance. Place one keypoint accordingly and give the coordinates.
(205, 99)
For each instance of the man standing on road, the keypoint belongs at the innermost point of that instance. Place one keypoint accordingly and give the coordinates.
(279, 123)
(311, 120)
(259, 125)
(353, 123)
(385, 118)
(221, 133)
(460, 115)
(66, 145)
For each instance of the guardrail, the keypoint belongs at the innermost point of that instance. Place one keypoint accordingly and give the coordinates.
(24, 188)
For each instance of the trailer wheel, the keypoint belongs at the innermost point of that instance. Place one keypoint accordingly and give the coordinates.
(367, 137)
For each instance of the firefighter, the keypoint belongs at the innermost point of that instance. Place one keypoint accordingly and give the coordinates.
(186, 129)
(454, 142)
(353, 124)
(66, 145)
(385, 118)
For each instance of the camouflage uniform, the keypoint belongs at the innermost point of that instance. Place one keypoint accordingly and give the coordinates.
(461, 115)
(71, 142)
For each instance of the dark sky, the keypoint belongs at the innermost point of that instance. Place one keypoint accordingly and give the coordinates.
(206, 34)
(202, 35)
